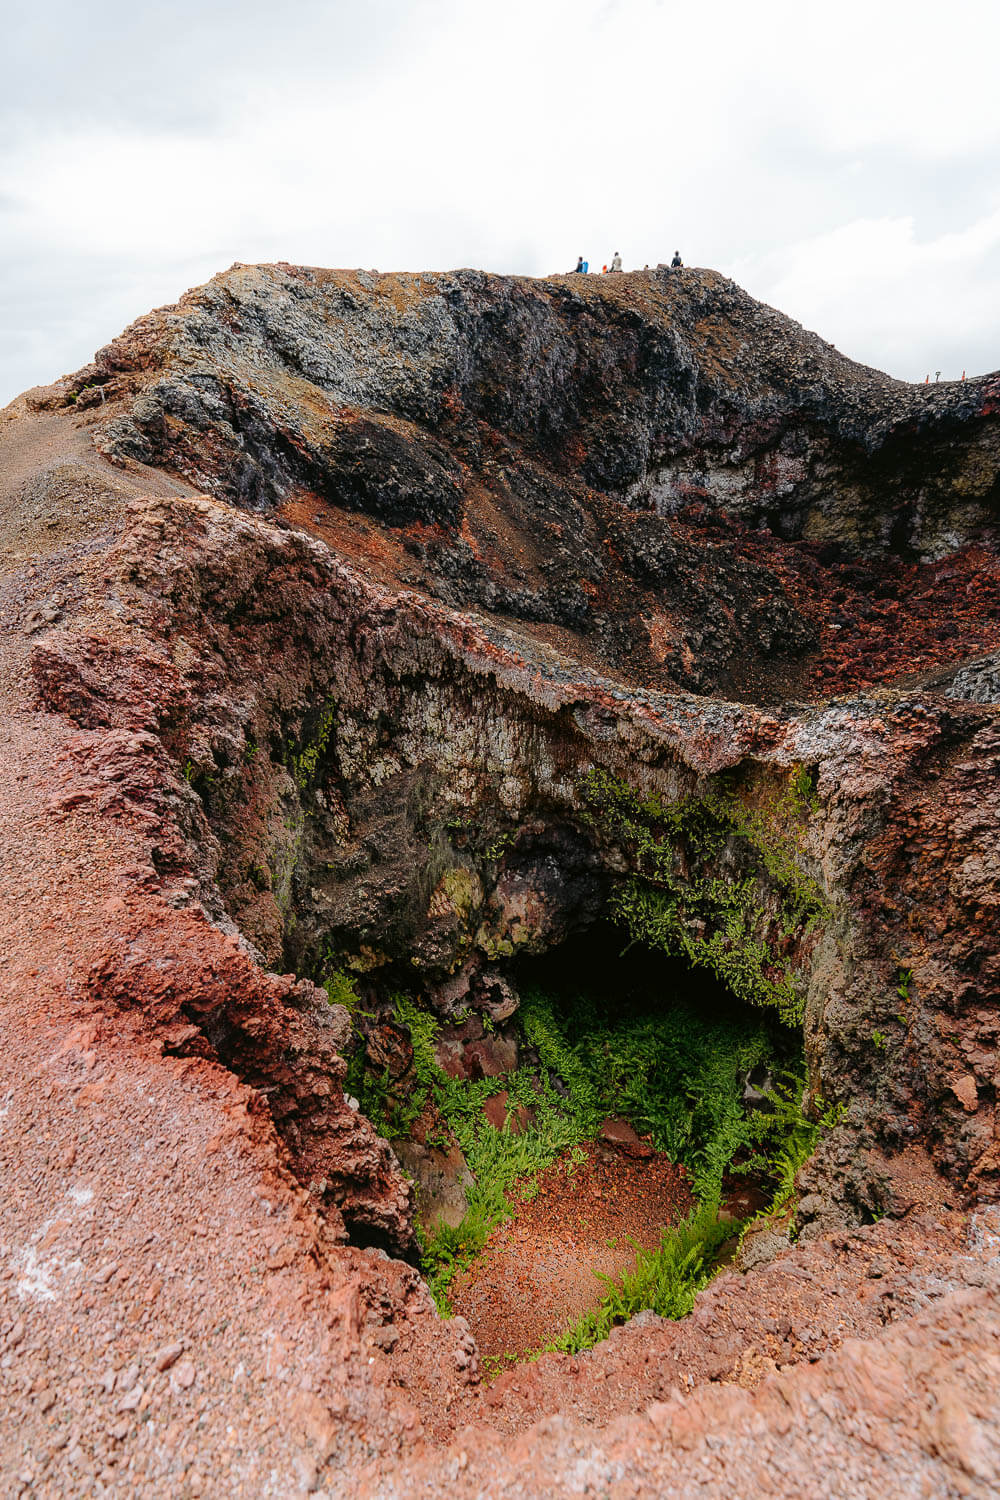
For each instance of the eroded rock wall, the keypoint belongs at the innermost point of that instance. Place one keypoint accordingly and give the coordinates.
(386, 785)
(654, 387)
(654, 473)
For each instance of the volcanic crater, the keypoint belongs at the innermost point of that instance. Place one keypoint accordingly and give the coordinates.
(500, 784)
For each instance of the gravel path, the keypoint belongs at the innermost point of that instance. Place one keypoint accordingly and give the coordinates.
(163, 1328)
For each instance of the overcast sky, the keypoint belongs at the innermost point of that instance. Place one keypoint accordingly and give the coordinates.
(841, 162)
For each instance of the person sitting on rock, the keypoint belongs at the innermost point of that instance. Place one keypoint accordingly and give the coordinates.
(676, 263)
(580, 264)
(616, 262)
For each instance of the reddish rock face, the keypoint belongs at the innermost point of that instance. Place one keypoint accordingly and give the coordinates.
(434, 1160)
(467, 1051)
(467, 541)
(503, 1114)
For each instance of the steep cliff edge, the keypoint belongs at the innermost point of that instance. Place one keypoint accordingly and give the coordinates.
(378, 699)
(653, 472)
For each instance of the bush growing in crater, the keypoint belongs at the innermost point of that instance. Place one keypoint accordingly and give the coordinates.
(665, 1280)
(675, 1074)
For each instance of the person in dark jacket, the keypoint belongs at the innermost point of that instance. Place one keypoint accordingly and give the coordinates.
(580, 265)
(676, 263)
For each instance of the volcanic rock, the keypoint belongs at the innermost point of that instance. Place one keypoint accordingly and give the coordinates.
(331, 603)
(619, 1135)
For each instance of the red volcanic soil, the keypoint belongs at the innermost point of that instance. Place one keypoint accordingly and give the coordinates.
(538, 1272)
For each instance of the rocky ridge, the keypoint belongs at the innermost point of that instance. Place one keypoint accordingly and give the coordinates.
(615, 464)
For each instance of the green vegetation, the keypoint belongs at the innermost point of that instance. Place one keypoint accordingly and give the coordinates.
(716, 880)
(498, 848)
(666, 1279)
(340, 990)
(314, 746)
(676, 900)
(669, 1278)
(199, 777)
(676, 1074)
(803, 790)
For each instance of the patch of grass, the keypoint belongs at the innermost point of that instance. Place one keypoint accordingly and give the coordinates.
(505, 1166)
(665, 1280)
(674, 1074)
(340, 990)
(391, 1110)
(668, 1279)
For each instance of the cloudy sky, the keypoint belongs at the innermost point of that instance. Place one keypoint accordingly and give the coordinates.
(842, 162)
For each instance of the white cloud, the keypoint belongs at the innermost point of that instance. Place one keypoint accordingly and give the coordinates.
(888, 298)
(816, 153)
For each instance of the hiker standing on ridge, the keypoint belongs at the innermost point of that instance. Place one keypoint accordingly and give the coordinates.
(676, 263)
(616, 262)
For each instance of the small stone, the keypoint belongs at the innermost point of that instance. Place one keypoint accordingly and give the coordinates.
(131, 1399)
(307, 1474)
(620, 1135)
(184, 1375)
(966, 1092)
(120, 1430)
(167, 1356)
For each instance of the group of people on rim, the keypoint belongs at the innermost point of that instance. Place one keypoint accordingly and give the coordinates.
(583, 266)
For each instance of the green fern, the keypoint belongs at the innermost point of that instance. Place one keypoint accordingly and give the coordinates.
(675, 1073)
(665, 1280)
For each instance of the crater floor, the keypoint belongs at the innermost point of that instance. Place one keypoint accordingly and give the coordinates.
(537, 1274)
